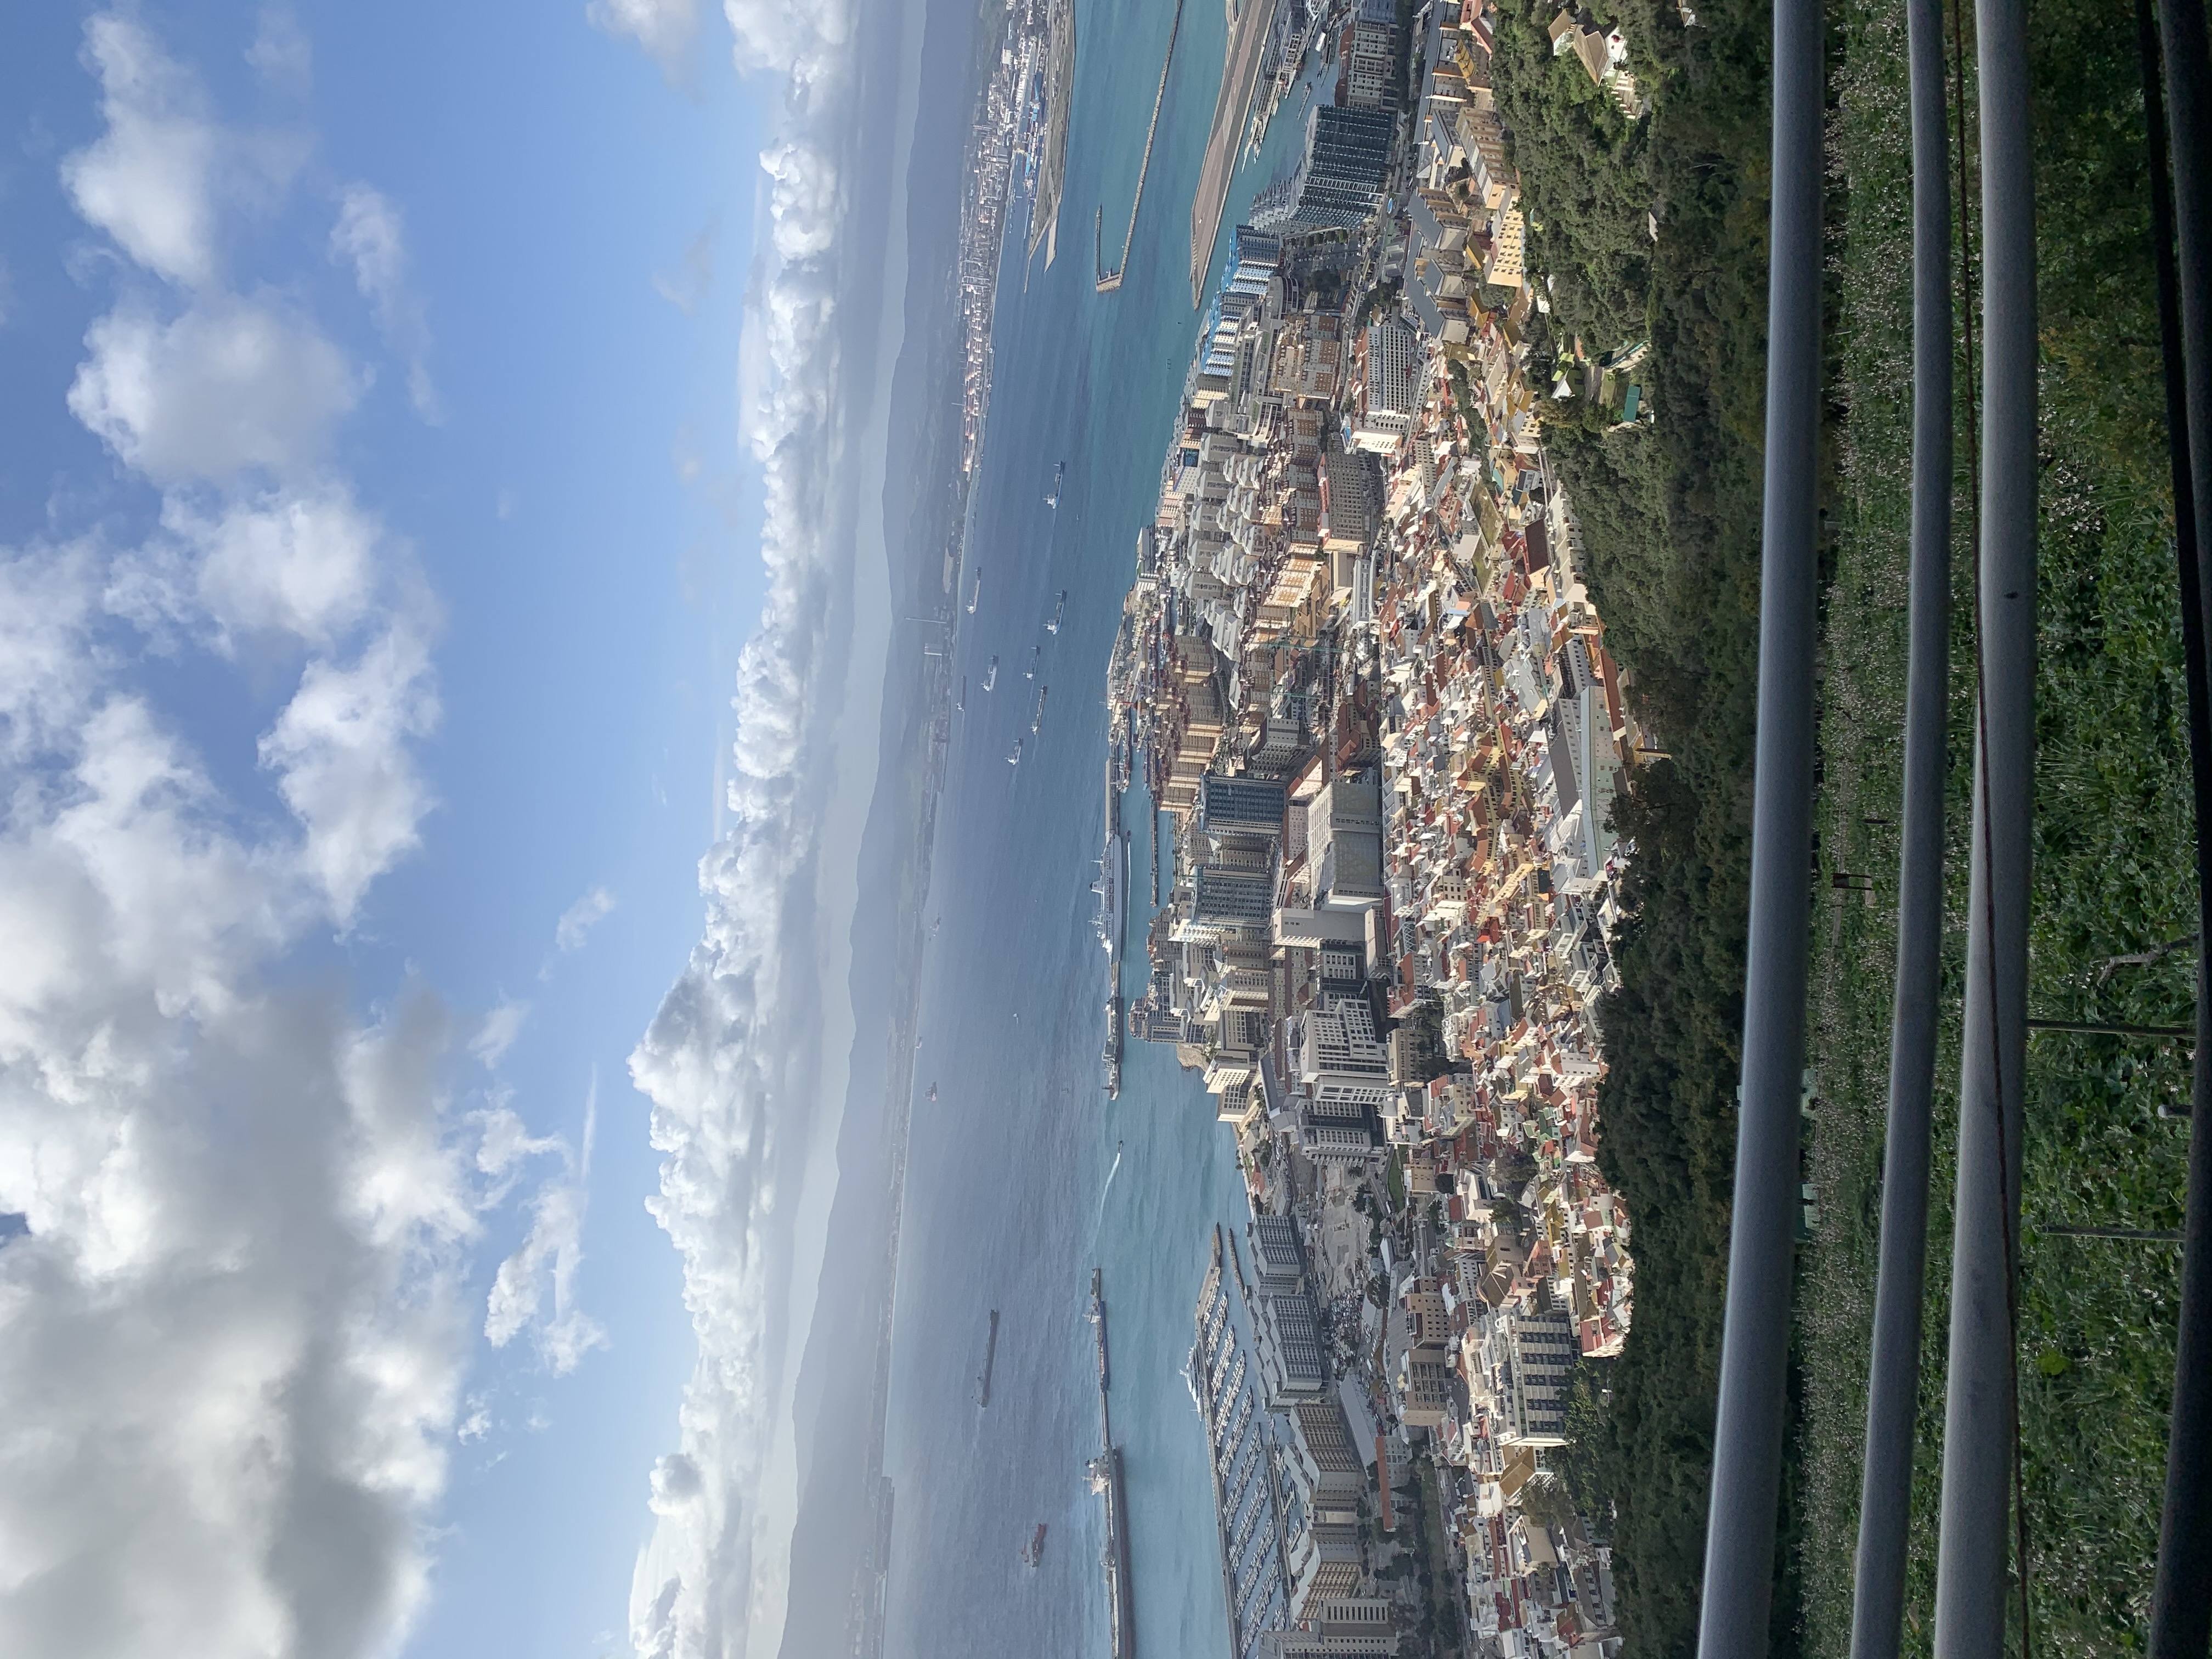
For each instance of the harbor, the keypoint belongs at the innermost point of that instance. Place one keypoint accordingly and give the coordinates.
(1110, 280)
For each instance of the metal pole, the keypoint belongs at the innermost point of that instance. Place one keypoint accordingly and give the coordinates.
(2181, 1594)
(1979, 1417)
(1739, 1571)
(1893, 1374)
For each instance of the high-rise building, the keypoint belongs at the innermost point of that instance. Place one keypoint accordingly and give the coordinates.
(1245, 806)
(1371, 53)
(1338, 179)
(1541, 1350)
(1253, 257)
(1223, 896)
(1394, 387)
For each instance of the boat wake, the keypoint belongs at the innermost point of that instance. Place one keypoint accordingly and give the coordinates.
(1099, 1219)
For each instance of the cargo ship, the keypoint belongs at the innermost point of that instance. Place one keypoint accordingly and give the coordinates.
(990, 1354)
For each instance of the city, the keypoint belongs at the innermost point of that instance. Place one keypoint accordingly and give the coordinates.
(1371, 693)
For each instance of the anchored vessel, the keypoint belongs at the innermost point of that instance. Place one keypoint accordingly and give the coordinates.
(991, 674)
(1105, 1471)
(1033, 1552)
(1037, 719)
(1112, 888)
(990, 1343)
(1058, 612)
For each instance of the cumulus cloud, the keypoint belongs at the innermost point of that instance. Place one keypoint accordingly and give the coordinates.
(371, 237)
(156, 179)
(732, 1060)
(233, 1332)
(231, 385)
(579, 919)
(230, 1376)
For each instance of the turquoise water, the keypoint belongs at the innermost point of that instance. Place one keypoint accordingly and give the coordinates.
(1022, 1176)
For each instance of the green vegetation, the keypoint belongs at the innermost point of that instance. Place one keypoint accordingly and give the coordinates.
(2112, 873)
(1671, 518)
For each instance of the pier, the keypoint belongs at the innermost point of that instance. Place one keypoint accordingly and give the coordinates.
(1110, 280)
(1105, 1471)
(1240, 79)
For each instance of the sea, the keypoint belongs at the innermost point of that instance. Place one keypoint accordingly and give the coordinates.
(1022, 1175)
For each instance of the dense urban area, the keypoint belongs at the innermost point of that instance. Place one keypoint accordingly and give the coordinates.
(1362, 677)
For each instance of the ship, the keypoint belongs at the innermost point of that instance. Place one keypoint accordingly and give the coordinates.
(1112, 888)
(1015, 759)
(976, 596)
(990, 1355)
(1036, 655)
(1037, 719)
(991, 674)
(1033, 1552)
(1058, 473)
(933, 1092)
(1059, 611)
(1098, 1318)
(960, 703)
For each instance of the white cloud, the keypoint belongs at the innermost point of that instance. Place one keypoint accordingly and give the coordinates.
(496, 1034)
(230, 385)
(665, 29)
(544, 1267)
(732, 1060)
(371, 237)
(157, 178)
(342, 754)
(148, 179)
(304, 563)
(233, 1339)
(579, 919)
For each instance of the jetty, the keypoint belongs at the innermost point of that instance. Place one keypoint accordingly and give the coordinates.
(1110, 280)
(1105, 1471)
(1240, 79)
(1059, 97)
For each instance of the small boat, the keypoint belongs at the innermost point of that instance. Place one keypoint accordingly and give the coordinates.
(991, 674)
(1058, 473)
(1033, 1552)
(1059, 611)
(976, 594)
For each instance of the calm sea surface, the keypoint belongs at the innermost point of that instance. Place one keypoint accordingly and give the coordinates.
(1022, 1176)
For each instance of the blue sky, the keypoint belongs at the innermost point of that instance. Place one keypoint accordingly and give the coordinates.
(497, 257)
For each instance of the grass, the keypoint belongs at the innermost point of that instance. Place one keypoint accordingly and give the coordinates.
(2112, 860)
